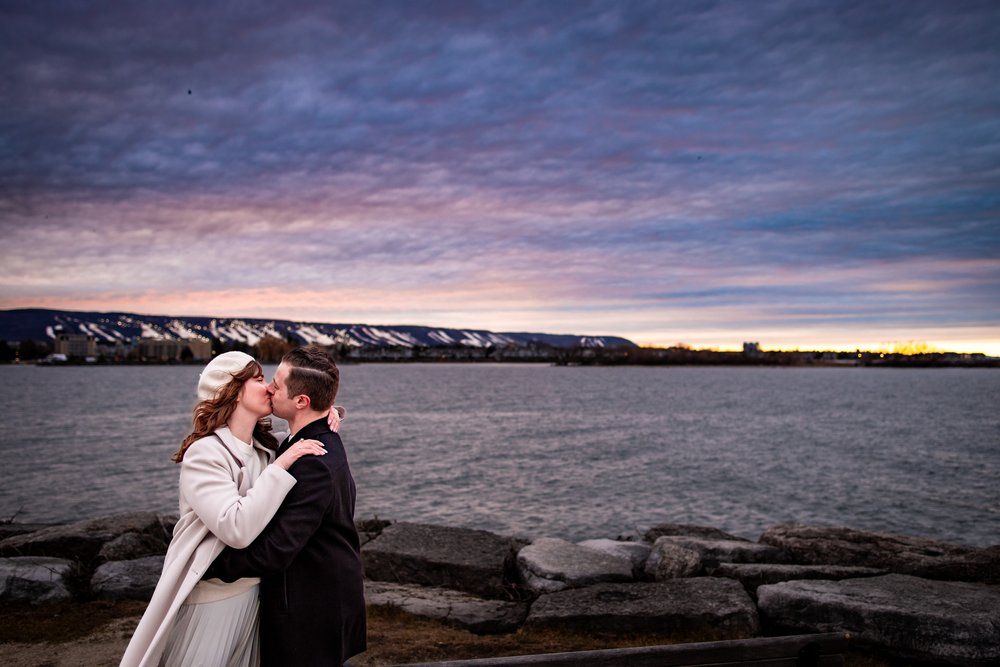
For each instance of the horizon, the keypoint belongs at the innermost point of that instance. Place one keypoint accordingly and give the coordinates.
(813, 175)
(905, 347)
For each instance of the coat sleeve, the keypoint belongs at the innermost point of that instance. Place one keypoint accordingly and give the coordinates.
(295, 523)
(208, 486)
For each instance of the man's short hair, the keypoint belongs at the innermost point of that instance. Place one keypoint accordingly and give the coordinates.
(313, 373)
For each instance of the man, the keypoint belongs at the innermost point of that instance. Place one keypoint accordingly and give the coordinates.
(312, 606)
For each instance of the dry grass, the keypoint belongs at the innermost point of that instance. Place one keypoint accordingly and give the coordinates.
(397, 637)
(96, 633)
(62, 622)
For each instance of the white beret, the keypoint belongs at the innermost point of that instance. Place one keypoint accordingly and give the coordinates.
(219, 372)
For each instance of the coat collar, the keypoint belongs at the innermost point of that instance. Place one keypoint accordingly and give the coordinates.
(237, 445)
(311, 430)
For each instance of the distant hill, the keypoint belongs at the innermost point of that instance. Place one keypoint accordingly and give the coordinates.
(40, 324)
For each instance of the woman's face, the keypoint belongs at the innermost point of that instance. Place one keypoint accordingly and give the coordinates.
(255, 397)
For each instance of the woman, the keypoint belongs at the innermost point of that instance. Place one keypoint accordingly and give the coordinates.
(229, 490)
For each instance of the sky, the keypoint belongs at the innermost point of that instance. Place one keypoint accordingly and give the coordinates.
(806, 174)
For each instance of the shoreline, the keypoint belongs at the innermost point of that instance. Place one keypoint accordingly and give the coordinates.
(695, 360)
(492, 594)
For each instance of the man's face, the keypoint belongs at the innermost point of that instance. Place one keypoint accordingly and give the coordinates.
(282, 405)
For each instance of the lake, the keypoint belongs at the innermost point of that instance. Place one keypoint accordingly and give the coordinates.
(572, 452)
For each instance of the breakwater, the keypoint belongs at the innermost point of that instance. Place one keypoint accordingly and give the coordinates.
(906, 596)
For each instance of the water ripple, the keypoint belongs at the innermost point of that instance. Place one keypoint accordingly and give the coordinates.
(569, 452)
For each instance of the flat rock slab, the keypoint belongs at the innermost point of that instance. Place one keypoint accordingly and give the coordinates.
(127, 579)
(34, 579)
(897, 553)
(910, 617)
(474, 561)
(754, 575)
(688, 530)
(83, 540)
(477, 615)
(549, 564)
(714, 552)
(701, 608)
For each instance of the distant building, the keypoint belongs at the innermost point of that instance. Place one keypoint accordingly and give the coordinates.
(169, 349)
(380, 353)
(75, 345)
(201, 348)
(751, 349)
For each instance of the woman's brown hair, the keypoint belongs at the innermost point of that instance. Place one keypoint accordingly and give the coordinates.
(215, 412)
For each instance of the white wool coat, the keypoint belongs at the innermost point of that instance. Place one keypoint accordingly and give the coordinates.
(232, 510)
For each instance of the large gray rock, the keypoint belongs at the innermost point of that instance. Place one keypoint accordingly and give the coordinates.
(127, 579)
(687, 530)
(909, 617)
(129, 546)
(714, 551)
(477, 615)
(702, 608)
(35, 579)
(897, 553)
(669, 560)
(83, 540)
(11, 529)
(549, 564)
(754, 575)
(635, 552)
(474, 561)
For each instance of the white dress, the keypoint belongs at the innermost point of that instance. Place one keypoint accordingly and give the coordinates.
(217, 625)
(216, 634)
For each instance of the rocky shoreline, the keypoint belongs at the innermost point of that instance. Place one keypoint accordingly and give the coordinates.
(905, 597)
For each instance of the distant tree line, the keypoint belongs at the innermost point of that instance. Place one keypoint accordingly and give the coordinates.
(269, 350)
(25, 350)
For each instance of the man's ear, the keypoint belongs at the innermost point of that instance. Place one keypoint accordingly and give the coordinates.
(302, 402)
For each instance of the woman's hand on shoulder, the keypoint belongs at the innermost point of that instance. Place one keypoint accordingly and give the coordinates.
(337, 415)
(298, 450)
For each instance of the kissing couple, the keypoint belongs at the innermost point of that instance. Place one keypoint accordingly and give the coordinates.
(264, 567)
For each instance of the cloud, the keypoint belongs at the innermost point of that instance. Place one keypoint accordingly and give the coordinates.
(799, 160)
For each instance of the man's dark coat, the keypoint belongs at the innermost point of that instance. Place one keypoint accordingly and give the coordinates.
(312, 602)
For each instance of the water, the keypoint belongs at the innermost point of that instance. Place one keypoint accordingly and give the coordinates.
(565, 452)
